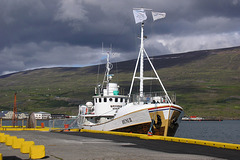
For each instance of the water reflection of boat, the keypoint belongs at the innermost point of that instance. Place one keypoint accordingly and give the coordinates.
(152, 113)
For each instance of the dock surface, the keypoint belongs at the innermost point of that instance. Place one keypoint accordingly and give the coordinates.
(81, 145)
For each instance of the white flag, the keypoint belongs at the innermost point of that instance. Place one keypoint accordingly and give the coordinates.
(158, 15)
(139, 15)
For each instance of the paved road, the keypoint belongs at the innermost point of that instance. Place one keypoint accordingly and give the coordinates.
(77, 146)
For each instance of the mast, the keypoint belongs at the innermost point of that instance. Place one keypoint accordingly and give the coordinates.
(107, 76)
(141, 63)
(108, 68)
(142, 51)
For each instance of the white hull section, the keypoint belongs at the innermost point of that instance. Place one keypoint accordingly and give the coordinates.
(130, 119)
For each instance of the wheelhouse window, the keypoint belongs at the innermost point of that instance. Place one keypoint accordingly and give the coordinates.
(116, 99)
(100, 100)
(105, 99)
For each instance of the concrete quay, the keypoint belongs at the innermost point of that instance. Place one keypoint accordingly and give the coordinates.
(88, 146)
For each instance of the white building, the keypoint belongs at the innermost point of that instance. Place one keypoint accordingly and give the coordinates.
(9, 115)
(22, 115)
(42, 115)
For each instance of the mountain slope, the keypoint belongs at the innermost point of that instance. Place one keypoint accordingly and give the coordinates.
(207, 83)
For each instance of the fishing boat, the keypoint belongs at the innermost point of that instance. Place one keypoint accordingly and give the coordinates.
(146, 113)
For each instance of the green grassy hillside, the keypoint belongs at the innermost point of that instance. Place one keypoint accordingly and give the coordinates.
(207, 83)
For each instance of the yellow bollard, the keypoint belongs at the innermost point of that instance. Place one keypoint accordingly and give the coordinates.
(25, 147)
(4, 138)
(37, 151)
(0, 156)
(17, 143)
(9, 140)
(1, 135)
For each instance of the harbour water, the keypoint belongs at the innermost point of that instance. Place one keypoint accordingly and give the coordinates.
(219, 131)
(20, 122)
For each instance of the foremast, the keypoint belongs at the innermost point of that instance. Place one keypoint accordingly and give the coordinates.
(107, 76)
(141, 77)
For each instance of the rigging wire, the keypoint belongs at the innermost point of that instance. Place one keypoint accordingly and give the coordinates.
(99, 69)
(98, 74)
(151, 83)
(116, 67)
(117, 71)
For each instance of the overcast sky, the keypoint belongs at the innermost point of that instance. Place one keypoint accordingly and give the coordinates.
(49, 33)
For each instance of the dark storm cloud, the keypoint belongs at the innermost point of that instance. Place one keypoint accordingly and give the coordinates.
(43, 33)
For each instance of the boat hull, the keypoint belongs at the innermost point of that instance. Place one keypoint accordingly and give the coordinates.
(161, 120)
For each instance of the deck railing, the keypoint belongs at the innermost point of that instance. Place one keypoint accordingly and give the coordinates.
(153, 97)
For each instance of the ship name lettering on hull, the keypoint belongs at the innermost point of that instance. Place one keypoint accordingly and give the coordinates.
(127, 120)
